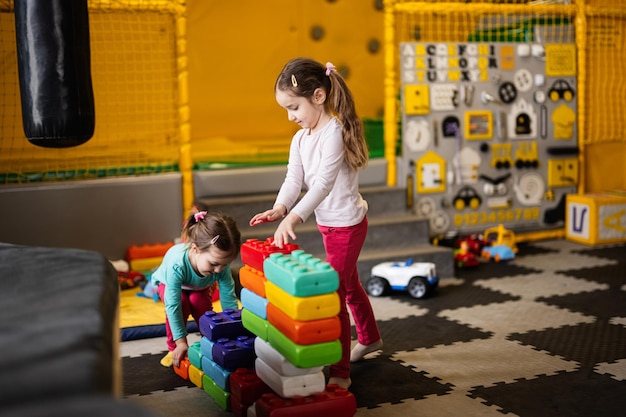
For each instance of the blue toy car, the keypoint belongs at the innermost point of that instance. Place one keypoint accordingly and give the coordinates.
(498, 253)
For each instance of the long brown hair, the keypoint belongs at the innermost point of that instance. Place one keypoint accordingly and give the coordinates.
(302, 76)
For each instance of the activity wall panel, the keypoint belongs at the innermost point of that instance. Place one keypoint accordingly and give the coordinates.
(489, 132)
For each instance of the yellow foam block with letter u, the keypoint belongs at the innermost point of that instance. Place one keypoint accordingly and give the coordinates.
(314, 307)
(595, 218)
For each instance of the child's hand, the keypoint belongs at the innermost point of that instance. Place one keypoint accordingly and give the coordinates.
(179, 353)
(260, 218)
(268, 216)
(286, 230)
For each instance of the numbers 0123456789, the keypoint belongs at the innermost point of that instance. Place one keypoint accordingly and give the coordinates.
(480, 218)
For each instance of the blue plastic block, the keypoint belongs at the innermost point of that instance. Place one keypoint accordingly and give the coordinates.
(206, 347)
(219, 376)
(254, 302)
(207, 364)
(301, 274)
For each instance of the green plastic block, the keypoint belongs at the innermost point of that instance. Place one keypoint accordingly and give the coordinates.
(304, 356)
(301, 274)
(221, 397)
(254, 323)
(194, 353)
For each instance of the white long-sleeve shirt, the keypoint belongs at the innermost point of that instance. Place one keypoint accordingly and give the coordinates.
(317, 162)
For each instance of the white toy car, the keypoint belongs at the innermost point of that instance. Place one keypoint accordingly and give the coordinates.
(420, 279)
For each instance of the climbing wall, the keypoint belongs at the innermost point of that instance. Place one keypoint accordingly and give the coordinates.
(489, 131)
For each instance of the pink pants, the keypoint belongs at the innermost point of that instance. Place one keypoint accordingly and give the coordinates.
(343, 246)
(195, 303)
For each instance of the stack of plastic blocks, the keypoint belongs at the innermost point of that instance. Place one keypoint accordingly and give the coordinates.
(291, 305)
(253, 296)
(225, 347)
(146, 257)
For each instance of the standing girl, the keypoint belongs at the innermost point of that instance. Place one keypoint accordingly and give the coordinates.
(190, 272)
(325, 156)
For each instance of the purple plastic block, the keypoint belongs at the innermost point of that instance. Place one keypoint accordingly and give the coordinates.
(234, 353)
(226, 324)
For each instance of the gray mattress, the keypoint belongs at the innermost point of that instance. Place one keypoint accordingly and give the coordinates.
(58, 310)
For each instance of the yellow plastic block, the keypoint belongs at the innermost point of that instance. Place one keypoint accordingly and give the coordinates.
(145, 264)
(595, 218)
(303, 308)
(195, 376)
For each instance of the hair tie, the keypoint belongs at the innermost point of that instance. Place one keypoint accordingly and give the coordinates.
(329, 68)
(199, 216)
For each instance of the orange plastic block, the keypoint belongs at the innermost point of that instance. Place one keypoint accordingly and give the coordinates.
(304, 332)
(253, 279)
(183, 370)
(148, 251)
(253, 252)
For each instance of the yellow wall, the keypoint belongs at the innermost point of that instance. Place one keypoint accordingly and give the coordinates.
(236, 51)
(604, 144)
(605, 167)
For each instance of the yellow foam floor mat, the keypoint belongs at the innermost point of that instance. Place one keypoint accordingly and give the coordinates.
(141, 311)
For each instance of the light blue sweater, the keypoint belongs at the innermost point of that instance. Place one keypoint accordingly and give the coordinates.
(177, 273)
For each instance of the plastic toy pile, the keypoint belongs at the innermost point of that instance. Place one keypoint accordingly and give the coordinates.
(270, 354)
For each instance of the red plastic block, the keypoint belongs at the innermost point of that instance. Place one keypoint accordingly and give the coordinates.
(304, 332)
(253, 252)
(247, 386)
(253, 279)
(237, 408)
(183, 370)
(334, 401)
(148, 251)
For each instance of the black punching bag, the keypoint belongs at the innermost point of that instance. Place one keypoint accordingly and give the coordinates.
(54, 66)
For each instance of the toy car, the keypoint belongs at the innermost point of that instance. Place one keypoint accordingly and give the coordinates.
(503, 246)
(420, 279)
(466, 197)
(500, 235)
(561, 89)
(498, 253)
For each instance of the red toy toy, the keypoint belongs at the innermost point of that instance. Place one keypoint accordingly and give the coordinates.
(475, 243)
(464, 258)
